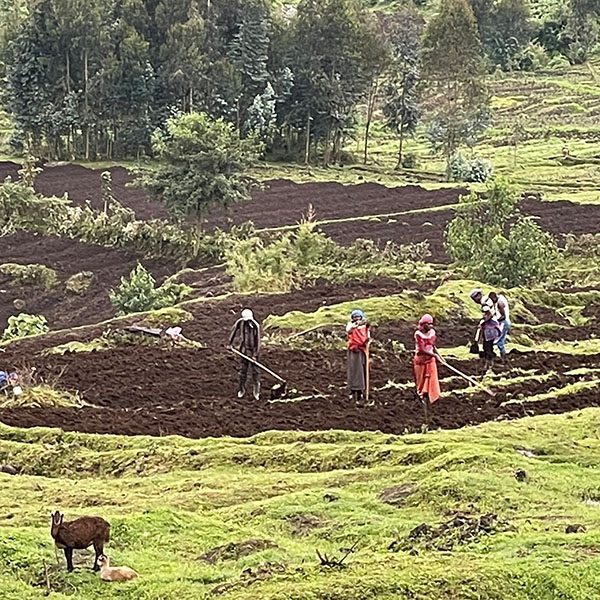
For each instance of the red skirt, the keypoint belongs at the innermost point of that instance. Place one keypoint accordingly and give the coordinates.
(426, 378)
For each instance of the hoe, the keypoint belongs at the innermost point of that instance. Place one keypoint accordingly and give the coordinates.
(279, 390)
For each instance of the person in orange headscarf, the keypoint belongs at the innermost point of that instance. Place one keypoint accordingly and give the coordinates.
(425, 361)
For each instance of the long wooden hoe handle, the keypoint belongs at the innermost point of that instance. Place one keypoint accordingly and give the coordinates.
(468, 378)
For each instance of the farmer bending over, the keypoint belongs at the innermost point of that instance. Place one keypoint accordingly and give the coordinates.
(479, 298)
(502, 314)
(359, 337)
(245, 337)
(425, 361)
(489, 333)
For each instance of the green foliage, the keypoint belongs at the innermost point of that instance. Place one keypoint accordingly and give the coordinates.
(586, 245)
(203, 164)
(400, 105)
(23, 325)
(494, 243)
(22, 209)
(297, 258)
(528, 255)
(139, 294)
(334, 53)
(33, 274)
(470, 169)
(453, 71)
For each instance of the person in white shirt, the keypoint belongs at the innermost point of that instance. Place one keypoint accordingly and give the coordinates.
(502, 313)
(478, 297)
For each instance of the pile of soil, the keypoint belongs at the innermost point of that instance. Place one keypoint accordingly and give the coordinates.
(460, 530)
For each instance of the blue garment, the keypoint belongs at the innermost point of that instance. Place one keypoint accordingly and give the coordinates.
(501, 343)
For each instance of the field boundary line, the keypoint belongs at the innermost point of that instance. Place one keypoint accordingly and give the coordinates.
(367, 218)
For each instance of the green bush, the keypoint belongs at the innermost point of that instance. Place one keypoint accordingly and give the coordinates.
(586, 245)
(23, 325)
(22, 209)
(470, 169)
(139, 294)
(202, 165)
(494, 243)
(410, 160)
(297, 258)
(32, 274)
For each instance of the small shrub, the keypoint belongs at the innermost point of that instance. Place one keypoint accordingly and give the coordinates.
(139, 294)
(80, 282)
(410, 161)
(23, 325)
(526, 255)
(477, 169)
(32, 274)
(533, 57)
(296, 258)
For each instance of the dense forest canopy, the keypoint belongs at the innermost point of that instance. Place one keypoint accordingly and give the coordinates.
(95, 80)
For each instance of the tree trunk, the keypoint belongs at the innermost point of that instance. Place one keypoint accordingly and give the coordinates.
(400, 145)
(307, 147)
(370, 110)
(86, 104)
(68, 75)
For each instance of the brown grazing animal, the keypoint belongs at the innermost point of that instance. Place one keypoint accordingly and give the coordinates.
(108, 573)
(79, 535)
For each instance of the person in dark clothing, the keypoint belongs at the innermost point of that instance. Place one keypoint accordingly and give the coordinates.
(245, 337)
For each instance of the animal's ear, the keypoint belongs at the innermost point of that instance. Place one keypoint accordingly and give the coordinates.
(56, 518)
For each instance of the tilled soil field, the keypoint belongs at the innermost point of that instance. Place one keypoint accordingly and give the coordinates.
(157, 390)
(154, 391)
(67, 257)
(147, 389)
(283, 203)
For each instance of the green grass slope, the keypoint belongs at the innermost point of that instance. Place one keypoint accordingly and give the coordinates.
(170, 501)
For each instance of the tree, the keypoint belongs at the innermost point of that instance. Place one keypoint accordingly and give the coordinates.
(248, 53)
(453, 73)
(582, 28)
(331, 58)
(509, 32)
(202, 165)
(493, 242)
(30, 86)
(180, 64)
(400, 107)
(262, 115)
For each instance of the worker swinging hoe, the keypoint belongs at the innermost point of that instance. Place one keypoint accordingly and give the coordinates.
(245, 343)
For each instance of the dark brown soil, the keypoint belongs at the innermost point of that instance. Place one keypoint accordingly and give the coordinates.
(147, 389)
(284, 202)
(156, 391)
(60, 307)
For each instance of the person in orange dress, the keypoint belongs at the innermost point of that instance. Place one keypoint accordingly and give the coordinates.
(425, 361)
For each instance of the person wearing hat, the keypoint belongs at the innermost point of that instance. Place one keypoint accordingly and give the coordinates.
(489, 332)
(425, 361)
(358, 331)
(478, 297)
(245, 337)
